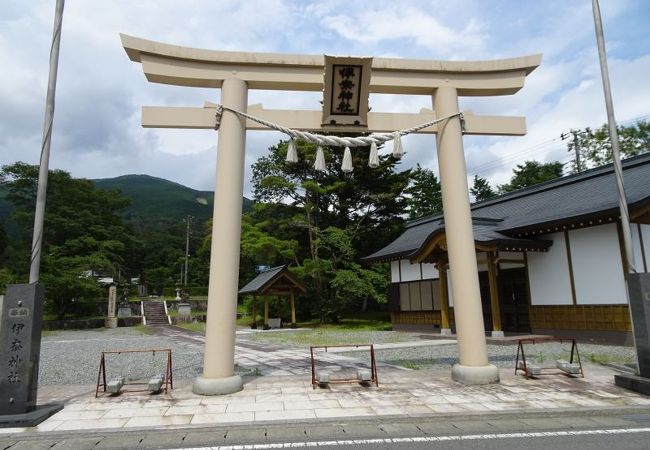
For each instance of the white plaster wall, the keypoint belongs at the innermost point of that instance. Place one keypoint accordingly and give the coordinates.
(410, 272)
(394, 272)
(645, 234)
(636, 247)
(429, 271)
(597, 265)
(549, 274)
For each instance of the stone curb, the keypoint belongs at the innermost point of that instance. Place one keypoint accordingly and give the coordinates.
(324, 422)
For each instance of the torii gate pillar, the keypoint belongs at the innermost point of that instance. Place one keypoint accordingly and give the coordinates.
(473, 367)
(219, 357)
(236, 72)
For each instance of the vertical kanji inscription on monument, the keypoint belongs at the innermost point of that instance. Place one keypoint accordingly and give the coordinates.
(20, 345)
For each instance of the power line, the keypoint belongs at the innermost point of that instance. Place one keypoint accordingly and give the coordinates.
(539, 148)
(618, 123)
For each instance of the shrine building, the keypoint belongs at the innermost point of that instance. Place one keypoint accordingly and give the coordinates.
(549, 256)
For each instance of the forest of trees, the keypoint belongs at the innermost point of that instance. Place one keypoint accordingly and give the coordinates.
(321, 223)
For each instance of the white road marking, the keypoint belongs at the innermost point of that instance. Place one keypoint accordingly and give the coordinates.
(467, 437)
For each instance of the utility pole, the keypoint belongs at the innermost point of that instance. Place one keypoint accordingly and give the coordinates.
(188, 219)
(39, 213)
(576, 148)
(637, 285)
(613, 136)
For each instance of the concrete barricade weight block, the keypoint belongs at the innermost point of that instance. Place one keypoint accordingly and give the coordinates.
(568, 367)
(155, 383)
(115, 385)
(323, 377)
(531, 369)
(364, 376)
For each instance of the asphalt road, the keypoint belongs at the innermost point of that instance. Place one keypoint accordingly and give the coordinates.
(629, 429)
(604, 439)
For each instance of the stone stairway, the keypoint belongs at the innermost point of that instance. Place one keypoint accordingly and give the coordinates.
(154, 312)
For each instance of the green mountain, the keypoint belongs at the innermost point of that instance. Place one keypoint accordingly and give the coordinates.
(156, 200)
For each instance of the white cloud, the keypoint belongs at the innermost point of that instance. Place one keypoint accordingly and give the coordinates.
(399, 22)
(578, 107)
(97, 123)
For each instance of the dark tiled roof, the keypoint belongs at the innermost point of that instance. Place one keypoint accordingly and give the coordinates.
(571, 198)
(262, 279)
(486, 232)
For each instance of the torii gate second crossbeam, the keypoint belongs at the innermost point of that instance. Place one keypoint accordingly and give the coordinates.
(237, 72)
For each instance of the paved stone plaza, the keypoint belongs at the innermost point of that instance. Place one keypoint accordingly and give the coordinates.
(285, 393)
(280, 398)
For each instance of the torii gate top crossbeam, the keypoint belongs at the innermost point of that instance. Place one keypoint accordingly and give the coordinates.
(187, 66)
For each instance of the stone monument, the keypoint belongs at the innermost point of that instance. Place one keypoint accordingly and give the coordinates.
(111, 320)
(124, 310)
(639, 291)
(184, 312)
(20, 344)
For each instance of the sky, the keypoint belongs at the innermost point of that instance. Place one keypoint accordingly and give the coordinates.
(97, 132)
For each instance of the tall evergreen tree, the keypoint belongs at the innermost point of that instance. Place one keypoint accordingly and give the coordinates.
(530, 173)
(423, 194)
(481, 189)
(333, 216)
(83, 233)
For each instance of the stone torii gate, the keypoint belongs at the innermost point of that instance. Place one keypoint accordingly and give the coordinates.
(237, 72)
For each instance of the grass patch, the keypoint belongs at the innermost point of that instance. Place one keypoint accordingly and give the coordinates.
(174, 313)
(329, 336)
(412, 365)
(143, 329)
(371, 321)
(247, 320)
(353, 329)
(349, 325)
(193, 326)
(602, 358)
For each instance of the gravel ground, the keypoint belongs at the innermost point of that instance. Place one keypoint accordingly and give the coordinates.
(444, 356)
(72, 357)
(441, 356)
